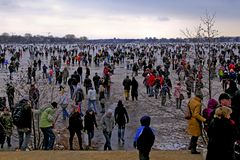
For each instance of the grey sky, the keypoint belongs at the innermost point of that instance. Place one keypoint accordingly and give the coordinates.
(116, 18)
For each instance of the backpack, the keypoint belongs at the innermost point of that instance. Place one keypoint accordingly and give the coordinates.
(18, 113)
(79, 95)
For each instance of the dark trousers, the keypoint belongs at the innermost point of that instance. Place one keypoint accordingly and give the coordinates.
(79, 136)
(90, 134)
(193, 143)
(107, 144)
(49, 138)
(179, 103)
(11, 101)
(189, 91)
(143, 156)
(24, 139)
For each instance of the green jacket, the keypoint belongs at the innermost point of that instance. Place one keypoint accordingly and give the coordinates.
(46, 117)
(7, 122)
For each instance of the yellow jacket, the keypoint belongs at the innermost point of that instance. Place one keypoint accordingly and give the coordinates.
(195, 123)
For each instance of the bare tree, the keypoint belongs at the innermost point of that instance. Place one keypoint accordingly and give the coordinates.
(204, 31)
(209, 32)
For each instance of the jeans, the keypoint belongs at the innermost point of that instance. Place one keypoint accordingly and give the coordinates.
(121, 131)
(90, 134)
(71, 91)
(151, 93)
(107, 144)
(50, 80)
(65, 113)
(49, 138)
(93, 102)
(24, 140)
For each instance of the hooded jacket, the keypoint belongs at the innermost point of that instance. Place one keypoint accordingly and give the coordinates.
(107, 122)
(209, 111)
(144, 137)
(121, 115)
(89, 120)
(46, 117)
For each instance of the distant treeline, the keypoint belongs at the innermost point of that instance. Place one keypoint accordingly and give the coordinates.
(7, 39)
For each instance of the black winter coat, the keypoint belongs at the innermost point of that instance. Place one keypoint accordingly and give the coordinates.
(127, 83)
(121, 115)
(2, 134)
(26, 115)
(89, 121)
(134, 91)
(222, 134)
(145, 141)
(75, 121)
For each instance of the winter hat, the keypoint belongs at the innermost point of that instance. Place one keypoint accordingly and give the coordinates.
(109, 110)
(145, 121)
(223, 96)
(89, 110)
(120, 103)
(212, 103)
(54, 104)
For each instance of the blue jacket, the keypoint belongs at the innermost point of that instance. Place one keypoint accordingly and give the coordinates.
(144, 139)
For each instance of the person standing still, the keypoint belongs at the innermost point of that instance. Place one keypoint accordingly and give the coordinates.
(195, 123)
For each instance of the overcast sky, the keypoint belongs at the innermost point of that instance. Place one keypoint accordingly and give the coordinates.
(116, 18)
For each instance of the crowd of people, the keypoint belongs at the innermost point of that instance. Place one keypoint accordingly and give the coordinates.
(178, 71)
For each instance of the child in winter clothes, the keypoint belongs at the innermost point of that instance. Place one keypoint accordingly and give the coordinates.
(7, 123)
(144, 138)
(208, 112)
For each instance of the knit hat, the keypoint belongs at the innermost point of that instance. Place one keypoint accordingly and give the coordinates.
(212, 103)
(54, 104)
(223, 96)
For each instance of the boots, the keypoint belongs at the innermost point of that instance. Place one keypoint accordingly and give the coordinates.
(194, 150)
(71, 146)
(9, 142)
(193, 145)
(190, 146)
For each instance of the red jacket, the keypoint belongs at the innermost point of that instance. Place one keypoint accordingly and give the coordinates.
(151, 80)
